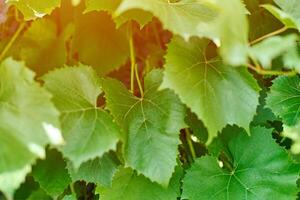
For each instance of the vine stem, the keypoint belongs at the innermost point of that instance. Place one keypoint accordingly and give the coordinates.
(132, 60)
(268, 35)
(12, 40)
(138, 80)
(190, 143)
(72, 188)
(261, 71)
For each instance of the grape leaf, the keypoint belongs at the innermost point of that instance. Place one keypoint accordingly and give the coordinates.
(271, 48)
(32, 9)
(260, 169)
(99, 171)
(204, 19)
(98, 43)
(29, 121)
(41, 47)
(152, 124)
(128, 185)
(284, 99)
(51, 173)
(219, 94)
(288, 13)
(89, 131)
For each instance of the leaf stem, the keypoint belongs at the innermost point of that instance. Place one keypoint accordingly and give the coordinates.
(12, 40)
(132, 60)
(72, 188)
(261, 71)
(138, 80)
(268, 35)
(190, 143)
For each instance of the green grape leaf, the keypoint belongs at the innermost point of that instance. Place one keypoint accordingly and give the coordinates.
(219, 94)
(152, 124)
(41, 47)
(32, 9)
(204, 19)
(98, 43)
(89, 131)
(288, 13)
(284, 99)
(259, 169)
(293, 132)
(99, 171)
(128, 185)
(29, 121)
(271, 48)
(51, 173)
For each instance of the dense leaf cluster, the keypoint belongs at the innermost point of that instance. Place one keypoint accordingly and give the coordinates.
(149, 99)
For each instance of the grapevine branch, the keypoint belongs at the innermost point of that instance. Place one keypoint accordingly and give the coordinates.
(12, 40)
(268, 35)
(190, 143)
(132, 62)
(261, 71)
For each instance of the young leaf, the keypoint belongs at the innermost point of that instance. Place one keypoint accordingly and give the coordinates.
(288, 14)
(51, 173)
(89, 131)
(127, 185)
(204, 19)
(219, 94)
(29, 121)
(152, 124)
(259, 169)
(284, 99)
(99, 171)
